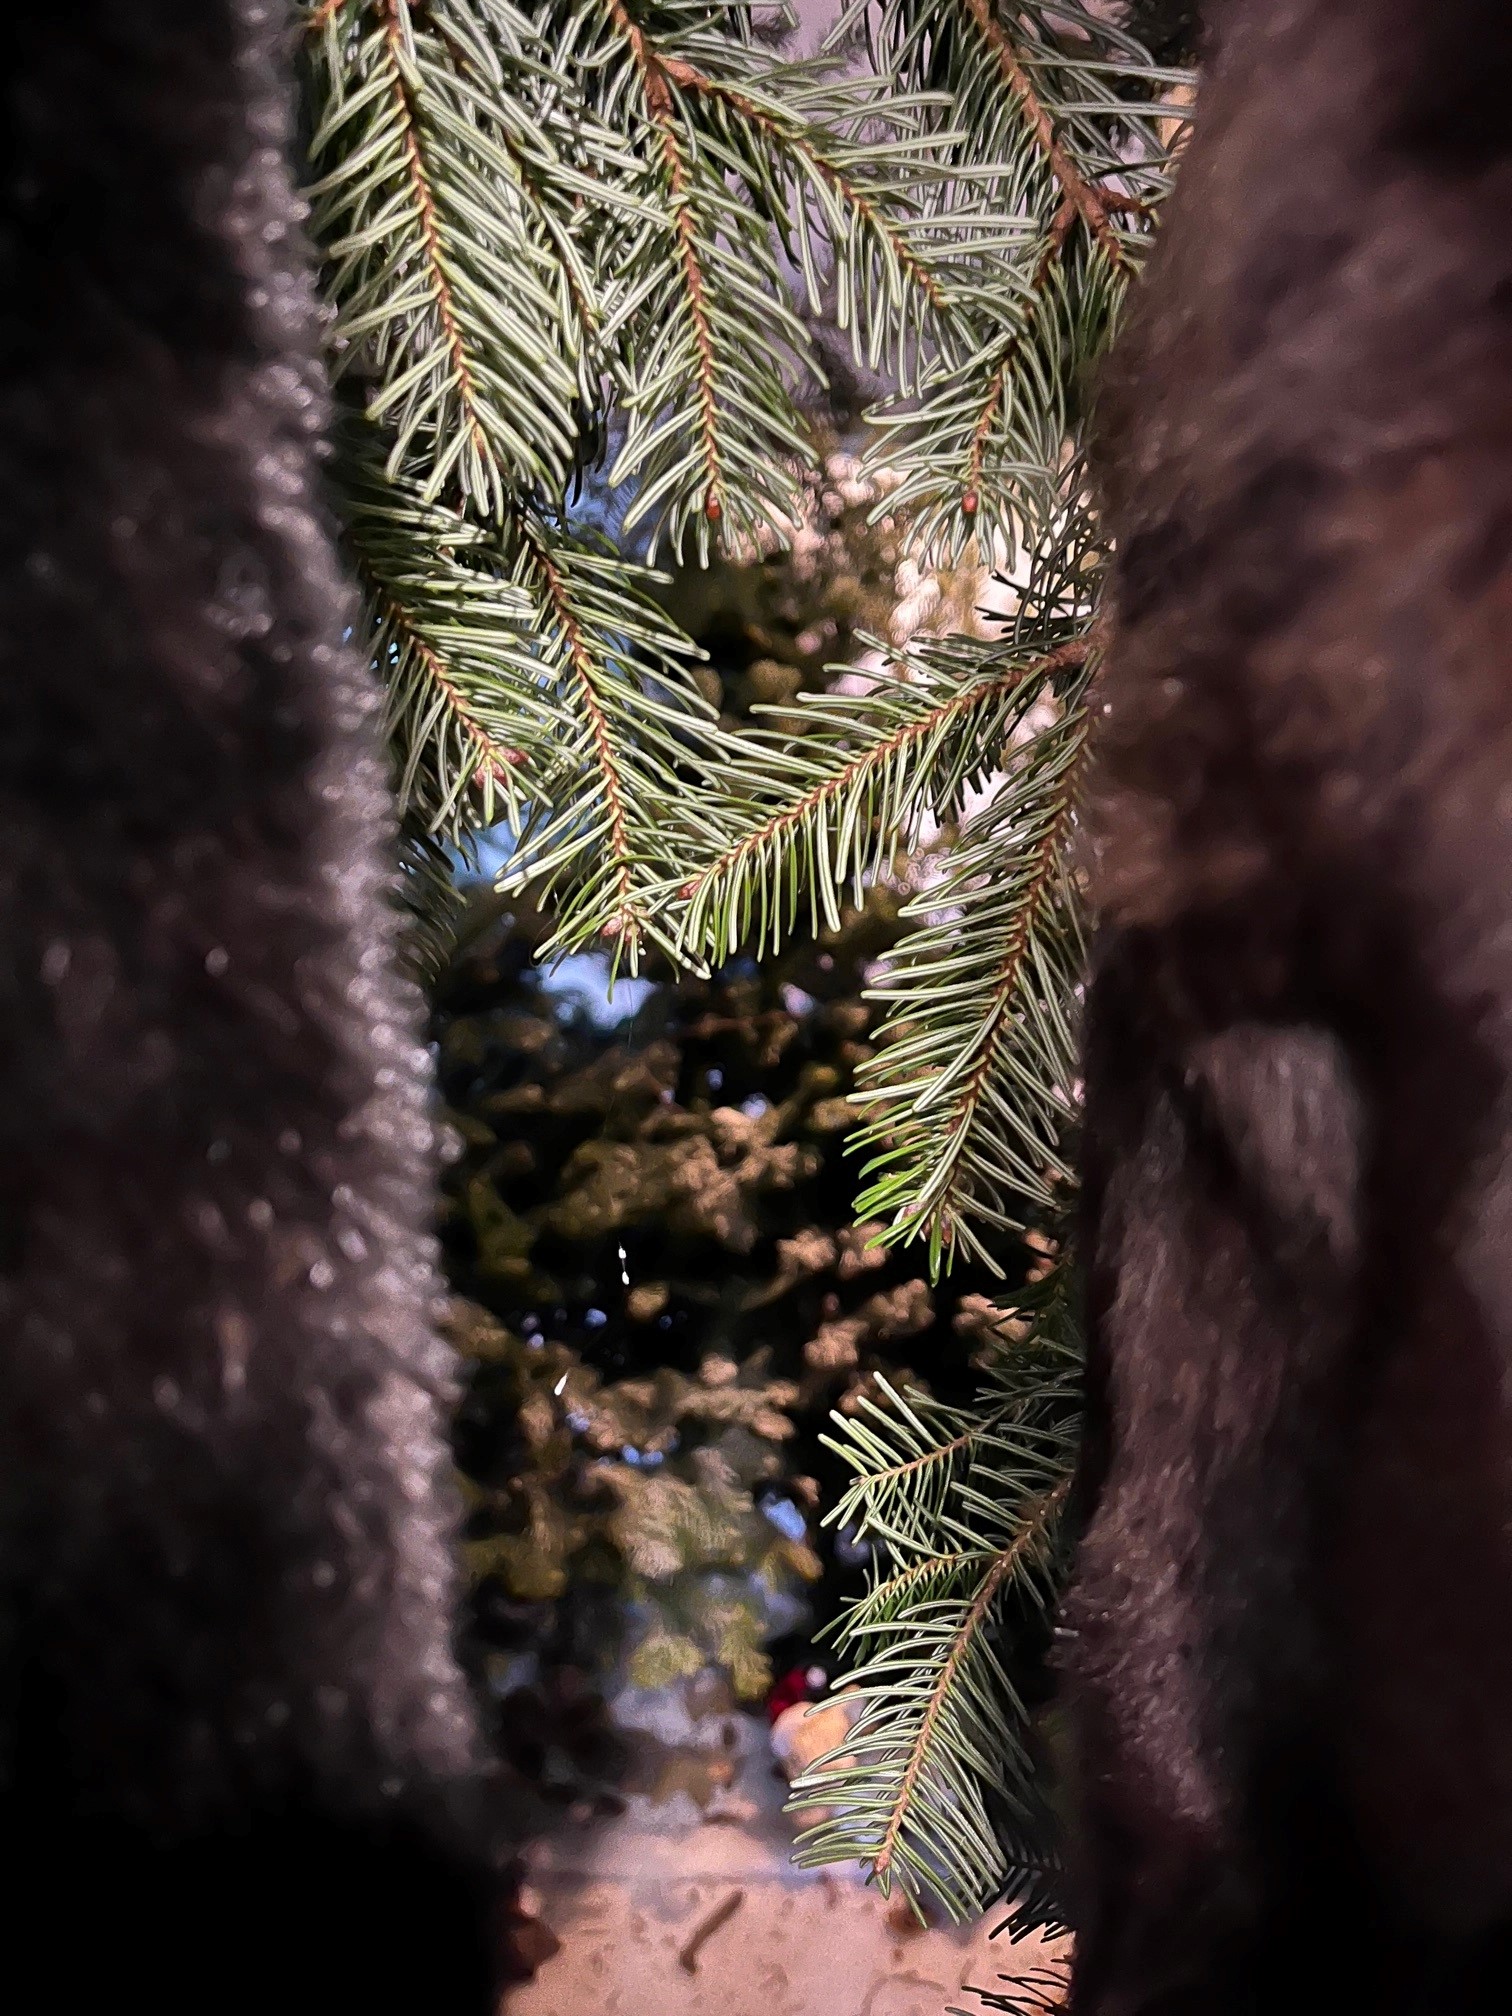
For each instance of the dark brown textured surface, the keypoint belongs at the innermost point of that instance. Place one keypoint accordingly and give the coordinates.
(240, 1749)
(1290, 1660)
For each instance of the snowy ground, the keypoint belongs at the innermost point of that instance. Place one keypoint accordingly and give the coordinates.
(688, 1905)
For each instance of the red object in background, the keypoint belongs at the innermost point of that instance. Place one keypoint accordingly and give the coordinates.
(801, 1683)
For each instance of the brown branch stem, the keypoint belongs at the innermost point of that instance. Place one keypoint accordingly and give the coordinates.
(580, 662)
(430, 231)
(1010, 965)
(497, 755)
(1037, 1520)
(654, 74)
(1091, 205)
(1064, 658)
(687, 78)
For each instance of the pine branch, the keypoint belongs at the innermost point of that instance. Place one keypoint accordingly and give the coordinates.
(1030, 1542)
(445, 628)
(1064, 106)
(978, 457)
(526, 218)
(809, 819)
(999, 377)
(934, 1788)
(622, 921)
(1085, 198)
(654, 74)
(628, 729)
(323, 14)
(872, 228)
(1041, 1993)
(431, 904)
(719, 460)
(909, 1454)
(749, 156)
(531, 678)
(970, 1085)
(450, 305)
